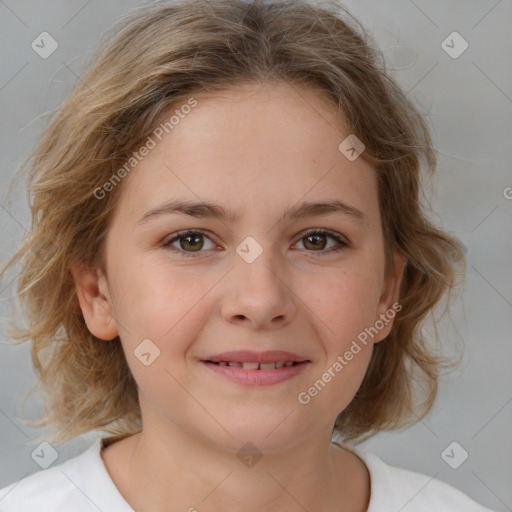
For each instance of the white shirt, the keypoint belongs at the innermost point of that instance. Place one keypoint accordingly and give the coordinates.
(83, 484)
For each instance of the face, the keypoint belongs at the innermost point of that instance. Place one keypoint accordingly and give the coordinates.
(263, 281)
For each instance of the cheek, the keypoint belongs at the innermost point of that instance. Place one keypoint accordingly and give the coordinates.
(160, 313)
(154, 299)
(332, 389)
(346, 306)
(346, 301)
(165, 307)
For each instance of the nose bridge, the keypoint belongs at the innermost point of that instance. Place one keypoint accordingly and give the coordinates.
(257, 260)
(258, 292)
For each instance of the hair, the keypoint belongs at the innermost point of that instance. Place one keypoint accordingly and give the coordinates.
(156, 57)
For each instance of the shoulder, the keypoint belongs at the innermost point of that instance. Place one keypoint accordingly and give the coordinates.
(46, 489)
(81, 484)
(394, 488)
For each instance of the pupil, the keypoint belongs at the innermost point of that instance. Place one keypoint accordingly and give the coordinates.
(316, 238)
(196, 239)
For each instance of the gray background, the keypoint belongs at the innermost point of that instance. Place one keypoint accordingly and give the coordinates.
(468, 102)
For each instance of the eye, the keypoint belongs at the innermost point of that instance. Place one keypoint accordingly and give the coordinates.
(190, 242)
(314, 238)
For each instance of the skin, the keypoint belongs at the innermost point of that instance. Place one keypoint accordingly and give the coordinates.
(257, 149)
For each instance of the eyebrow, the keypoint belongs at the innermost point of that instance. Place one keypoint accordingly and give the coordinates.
(212, 210)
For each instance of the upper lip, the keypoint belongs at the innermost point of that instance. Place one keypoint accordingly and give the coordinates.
(248, 356)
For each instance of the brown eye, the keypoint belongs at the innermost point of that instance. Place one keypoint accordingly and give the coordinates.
(190, 243)
(316, 241)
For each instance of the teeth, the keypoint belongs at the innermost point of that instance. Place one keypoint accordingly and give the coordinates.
(255, 366)
(250, 366)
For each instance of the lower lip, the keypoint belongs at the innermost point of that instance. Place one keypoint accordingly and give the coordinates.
(257, 377)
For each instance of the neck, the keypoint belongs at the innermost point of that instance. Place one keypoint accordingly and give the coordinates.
(185, 473)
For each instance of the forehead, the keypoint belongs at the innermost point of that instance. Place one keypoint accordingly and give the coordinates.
(261, 145)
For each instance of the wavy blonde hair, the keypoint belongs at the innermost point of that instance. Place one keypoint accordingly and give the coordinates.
(158, 56)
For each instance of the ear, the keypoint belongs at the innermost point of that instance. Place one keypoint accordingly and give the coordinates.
(95, 301)
(388, 303)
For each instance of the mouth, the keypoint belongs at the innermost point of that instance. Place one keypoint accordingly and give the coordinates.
(254, 365)
(256, 368)
(278, 358)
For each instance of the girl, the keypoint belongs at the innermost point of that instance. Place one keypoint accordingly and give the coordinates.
(229, 263)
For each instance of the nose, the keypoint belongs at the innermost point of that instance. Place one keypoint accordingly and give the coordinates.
(259, 294)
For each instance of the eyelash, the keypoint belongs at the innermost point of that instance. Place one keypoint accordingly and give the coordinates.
(320, 231)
